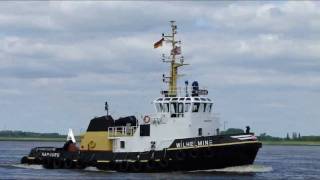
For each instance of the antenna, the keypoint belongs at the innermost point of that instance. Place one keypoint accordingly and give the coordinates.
(106, 107)
(175, 54)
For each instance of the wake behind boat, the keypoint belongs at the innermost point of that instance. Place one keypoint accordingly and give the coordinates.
(181, 135)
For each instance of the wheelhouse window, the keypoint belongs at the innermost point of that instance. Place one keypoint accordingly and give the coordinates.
(159, 107)
(165, 107)
(201, 107)
(205, 107)
(209, 106)
(187, 107)
(180, 108)
(173, 108)
(195, 107)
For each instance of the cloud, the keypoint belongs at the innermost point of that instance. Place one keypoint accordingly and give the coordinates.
(81, 53)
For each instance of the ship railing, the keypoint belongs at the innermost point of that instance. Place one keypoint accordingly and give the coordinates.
(180, 91)
(121, 131)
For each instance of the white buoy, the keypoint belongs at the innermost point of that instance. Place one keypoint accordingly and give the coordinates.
(71, 136)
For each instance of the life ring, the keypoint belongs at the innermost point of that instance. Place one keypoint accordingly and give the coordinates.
(91, 145)
(146, 119)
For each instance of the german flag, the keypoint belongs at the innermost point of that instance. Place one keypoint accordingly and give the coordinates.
(159, 43)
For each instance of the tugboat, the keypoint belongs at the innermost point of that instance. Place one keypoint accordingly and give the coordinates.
(181, 136)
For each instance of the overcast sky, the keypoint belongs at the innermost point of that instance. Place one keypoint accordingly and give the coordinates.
(60, 61)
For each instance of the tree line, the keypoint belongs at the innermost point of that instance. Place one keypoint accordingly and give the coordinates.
(265, 137)
(9, 133)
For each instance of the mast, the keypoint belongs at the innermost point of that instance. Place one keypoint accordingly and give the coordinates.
(175, 54)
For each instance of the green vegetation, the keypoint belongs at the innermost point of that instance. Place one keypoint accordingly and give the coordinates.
(291, 142)
(30, 136)
(32, 139)
(294, 139)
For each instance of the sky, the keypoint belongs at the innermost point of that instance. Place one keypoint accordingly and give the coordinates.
(60, 61)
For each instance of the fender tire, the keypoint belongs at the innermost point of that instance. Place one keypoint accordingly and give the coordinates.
(163, 164)
(136, 166)
(24, 160)
(48, 163)
(151, 165)
(68, 164)
(80, 164)
(180, 155)
(103, 166)
(57, 164)
(193, 153)
(208, 153)
(123, 166)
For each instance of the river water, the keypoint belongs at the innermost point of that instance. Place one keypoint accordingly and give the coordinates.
(272, 162)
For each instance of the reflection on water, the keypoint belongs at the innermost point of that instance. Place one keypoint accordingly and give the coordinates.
(273, 162)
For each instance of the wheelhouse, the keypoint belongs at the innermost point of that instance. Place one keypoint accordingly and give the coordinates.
(179, 106)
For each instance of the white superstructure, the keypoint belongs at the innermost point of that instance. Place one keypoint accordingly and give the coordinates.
(178, 115)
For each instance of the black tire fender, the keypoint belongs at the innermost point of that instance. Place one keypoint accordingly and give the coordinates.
(208, 153)
(68, 164)
(48, 163)
(80, 164)
(123, 166)
(136, 166)
(57, 164)
(151, 165)
(24, 160)
(180, 155)
(194, 153)
(164, 163)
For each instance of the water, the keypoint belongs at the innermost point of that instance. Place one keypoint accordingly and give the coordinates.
(273, 162)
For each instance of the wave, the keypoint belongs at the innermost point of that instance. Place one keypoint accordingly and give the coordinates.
(241, 169)
(94, 169)
(26, 166)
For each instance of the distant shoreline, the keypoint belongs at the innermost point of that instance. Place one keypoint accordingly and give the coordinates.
(292, 143)
(60, 139)
(47, 139)
(43, 139)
